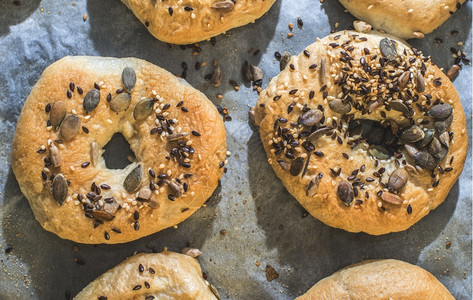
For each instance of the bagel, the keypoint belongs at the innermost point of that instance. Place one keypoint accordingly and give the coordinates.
(165, 275)
(178, 22)
(406, 19)
(75, 108)
(379, 279)
(364, 131)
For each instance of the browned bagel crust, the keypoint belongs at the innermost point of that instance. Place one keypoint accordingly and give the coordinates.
(80, 216)
(368, 212)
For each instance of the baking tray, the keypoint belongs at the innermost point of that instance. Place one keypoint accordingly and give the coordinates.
(263, 224)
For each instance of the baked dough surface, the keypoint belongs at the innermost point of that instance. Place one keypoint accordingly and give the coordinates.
(190, 21)
(192, 164)
(403, 18)
(336, 156)
(379, 279)
(165, 275)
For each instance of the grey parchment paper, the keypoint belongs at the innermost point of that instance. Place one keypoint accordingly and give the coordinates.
(264, 225)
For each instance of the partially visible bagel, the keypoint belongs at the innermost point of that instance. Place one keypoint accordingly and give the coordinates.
(165, 275)
(364, 131)
(379, 279)
(190, 21)
(175, 132)
(406, 19)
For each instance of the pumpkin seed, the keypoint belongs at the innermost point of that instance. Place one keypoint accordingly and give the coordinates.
(128, 79)
(144, 194)
(94, 153)
(177, 136)
(91, 100)
(437, 150)
(440, 111)
(120, 102)
(216, 78)
(69, 127)
(391, 198)
(388, 48)
(102, 215)
(133, 179)
(284, 165)
(143, 109)
(444, 138)
(285, 58)
(311, 117)
(397, 180)
(442, 124)
(379, 152)
(319, 133)
(420, 82)
(57, 113)
(339, 106)
(174, 187)
(412, 134)
(312, 188)
(428, 136)
(296, 166)
(403, 80)
(411, 150)
(59, 188)
(223, 6)
(345, 192)
(54, 155)
(425, 160)
(398, 105)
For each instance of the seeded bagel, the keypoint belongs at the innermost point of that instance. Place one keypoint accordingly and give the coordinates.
(73, 111)
(364, 131)
(191, 21)
(165, 275)
(379, 279)
(406, 19)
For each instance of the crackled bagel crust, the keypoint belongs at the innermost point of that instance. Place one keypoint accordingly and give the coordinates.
(368, 212)
(169, 276)
(379, 279)
(137, 217)
(403, 18)
(186, 22)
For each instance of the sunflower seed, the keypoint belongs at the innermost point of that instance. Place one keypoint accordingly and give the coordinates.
(284, 165)
(388, 48)
(296, 166)
(391, 198)
(192, 252)
(223, 6)
(420, 82)
(54, 155)
(285, 58)
(437, 150)
(214, 291)
(452, 73)
(133, 179)
(128, 79)
(398, 105)
(397, 180)
(412, 134)
(69, 127)
(177, 136)
(428, 136)
(311, 117)
(111, 206)
(442, 124)
(361, 26)
(59, 188)
(246, 71)
(440, 111)
(322, 70)
(57, 113)
(174, 187)
(102, 215)
(425, 160)
(345, 192)
(411, 150)
(143, 109)
(312, 188)
(94, 153)
(379, 152)
(372, 105)
(319, 133)
(91, 100)
(339, 106)
(144, 194)
(256, 73)
(403, 80)
(120, 102)
(444, 138)
(216, 78)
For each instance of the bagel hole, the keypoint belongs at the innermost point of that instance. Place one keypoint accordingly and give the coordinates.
(117, 152)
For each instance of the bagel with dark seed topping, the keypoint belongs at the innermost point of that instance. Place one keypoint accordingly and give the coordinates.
(364, 131)
(379, 279)
(78, 104)
(191, 21)
(165, 275)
